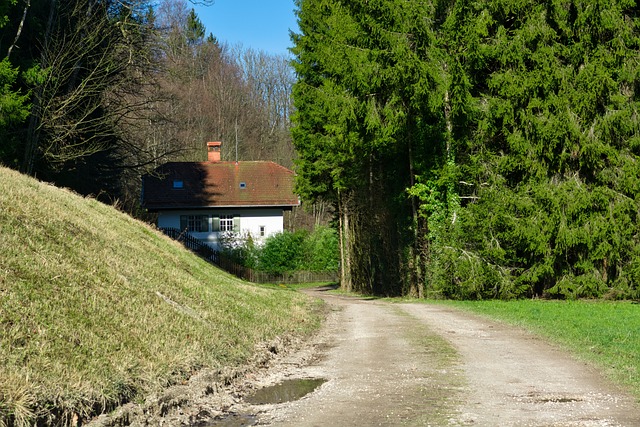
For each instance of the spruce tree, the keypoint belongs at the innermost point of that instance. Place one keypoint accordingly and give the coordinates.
(550, 164)
(364, 124)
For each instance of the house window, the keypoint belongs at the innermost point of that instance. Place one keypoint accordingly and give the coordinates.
(226, 222)
(178, 183)
(194, 223)
(262, 231)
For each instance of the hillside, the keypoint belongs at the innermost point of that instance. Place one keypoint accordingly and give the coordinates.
(97, 309)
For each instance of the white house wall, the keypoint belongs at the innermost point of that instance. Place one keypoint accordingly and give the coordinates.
(251, 221)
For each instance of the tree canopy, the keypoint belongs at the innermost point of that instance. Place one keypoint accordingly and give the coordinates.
(513, 123)
(95, 93)
(469, 149)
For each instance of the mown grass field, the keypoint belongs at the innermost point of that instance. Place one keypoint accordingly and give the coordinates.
(97, 309)
(604, 333)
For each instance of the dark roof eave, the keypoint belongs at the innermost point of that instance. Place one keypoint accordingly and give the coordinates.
(184, 207)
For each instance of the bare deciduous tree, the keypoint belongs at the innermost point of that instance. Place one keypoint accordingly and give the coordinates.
(92, 50)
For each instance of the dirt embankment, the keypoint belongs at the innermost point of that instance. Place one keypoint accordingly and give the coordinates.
(403, 364)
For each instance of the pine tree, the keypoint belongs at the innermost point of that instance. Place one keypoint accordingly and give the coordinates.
(364, 128)
(513, 123)
(549, 162)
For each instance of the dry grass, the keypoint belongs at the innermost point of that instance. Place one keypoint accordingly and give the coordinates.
(98, 309)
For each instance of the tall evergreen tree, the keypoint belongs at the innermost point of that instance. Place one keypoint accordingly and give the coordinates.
(364, 123)
(551, 89)
(514, 123)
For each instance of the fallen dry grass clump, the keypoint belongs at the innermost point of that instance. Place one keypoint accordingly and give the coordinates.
(98, 309)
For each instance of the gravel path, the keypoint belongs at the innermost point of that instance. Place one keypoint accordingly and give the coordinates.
(417, 364)
(391, 364)
(515, 379)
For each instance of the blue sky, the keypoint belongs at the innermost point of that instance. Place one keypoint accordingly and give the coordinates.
(259, 24)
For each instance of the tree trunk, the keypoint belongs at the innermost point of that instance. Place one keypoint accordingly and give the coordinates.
(416, 276)
(345, 244)
(24, 17)
(33, 131)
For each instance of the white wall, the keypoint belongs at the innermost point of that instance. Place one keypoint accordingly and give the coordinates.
(251, 219)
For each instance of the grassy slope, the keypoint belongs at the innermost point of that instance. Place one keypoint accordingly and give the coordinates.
(97, 308)
(602, 332)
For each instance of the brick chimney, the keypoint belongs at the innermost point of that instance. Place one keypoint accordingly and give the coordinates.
(213, 151)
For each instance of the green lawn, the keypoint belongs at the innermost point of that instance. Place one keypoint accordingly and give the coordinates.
(604, 333)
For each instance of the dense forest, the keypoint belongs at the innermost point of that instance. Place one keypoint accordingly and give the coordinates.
(95, 93)
(474, 148)
(467, 148)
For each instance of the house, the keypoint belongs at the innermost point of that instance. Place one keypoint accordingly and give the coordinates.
(212, 198)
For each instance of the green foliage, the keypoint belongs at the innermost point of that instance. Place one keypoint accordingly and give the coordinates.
(5, 6)
(560, 240)
(35, 75)
(283, 252)
(74, 69)
(321, 250)
(513, 124)
(195, 30)
(240, 249)
(543, 126)
(364, 103)
(14, 108)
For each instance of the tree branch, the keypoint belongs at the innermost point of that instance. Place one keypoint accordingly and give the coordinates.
(24, 16)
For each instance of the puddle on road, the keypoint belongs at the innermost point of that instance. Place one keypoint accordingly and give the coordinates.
(534, 397)
(558, 399)
(286, 391)
(232, 420)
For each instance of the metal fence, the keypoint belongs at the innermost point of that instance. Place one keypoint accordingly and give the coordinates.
(245, 273)
(190, 242)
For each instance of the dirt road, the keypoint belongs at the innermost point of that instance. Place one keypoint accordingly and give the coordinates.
(419, 365)
(389, 364)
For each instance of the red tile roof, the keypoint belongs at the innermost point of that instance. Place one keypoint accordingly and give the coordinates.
(218, 184)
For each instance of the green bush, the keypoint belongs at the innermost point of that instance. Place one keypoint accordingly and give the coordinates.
(321, 250)
(286, 251)
(241, 250)
(283, 252)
